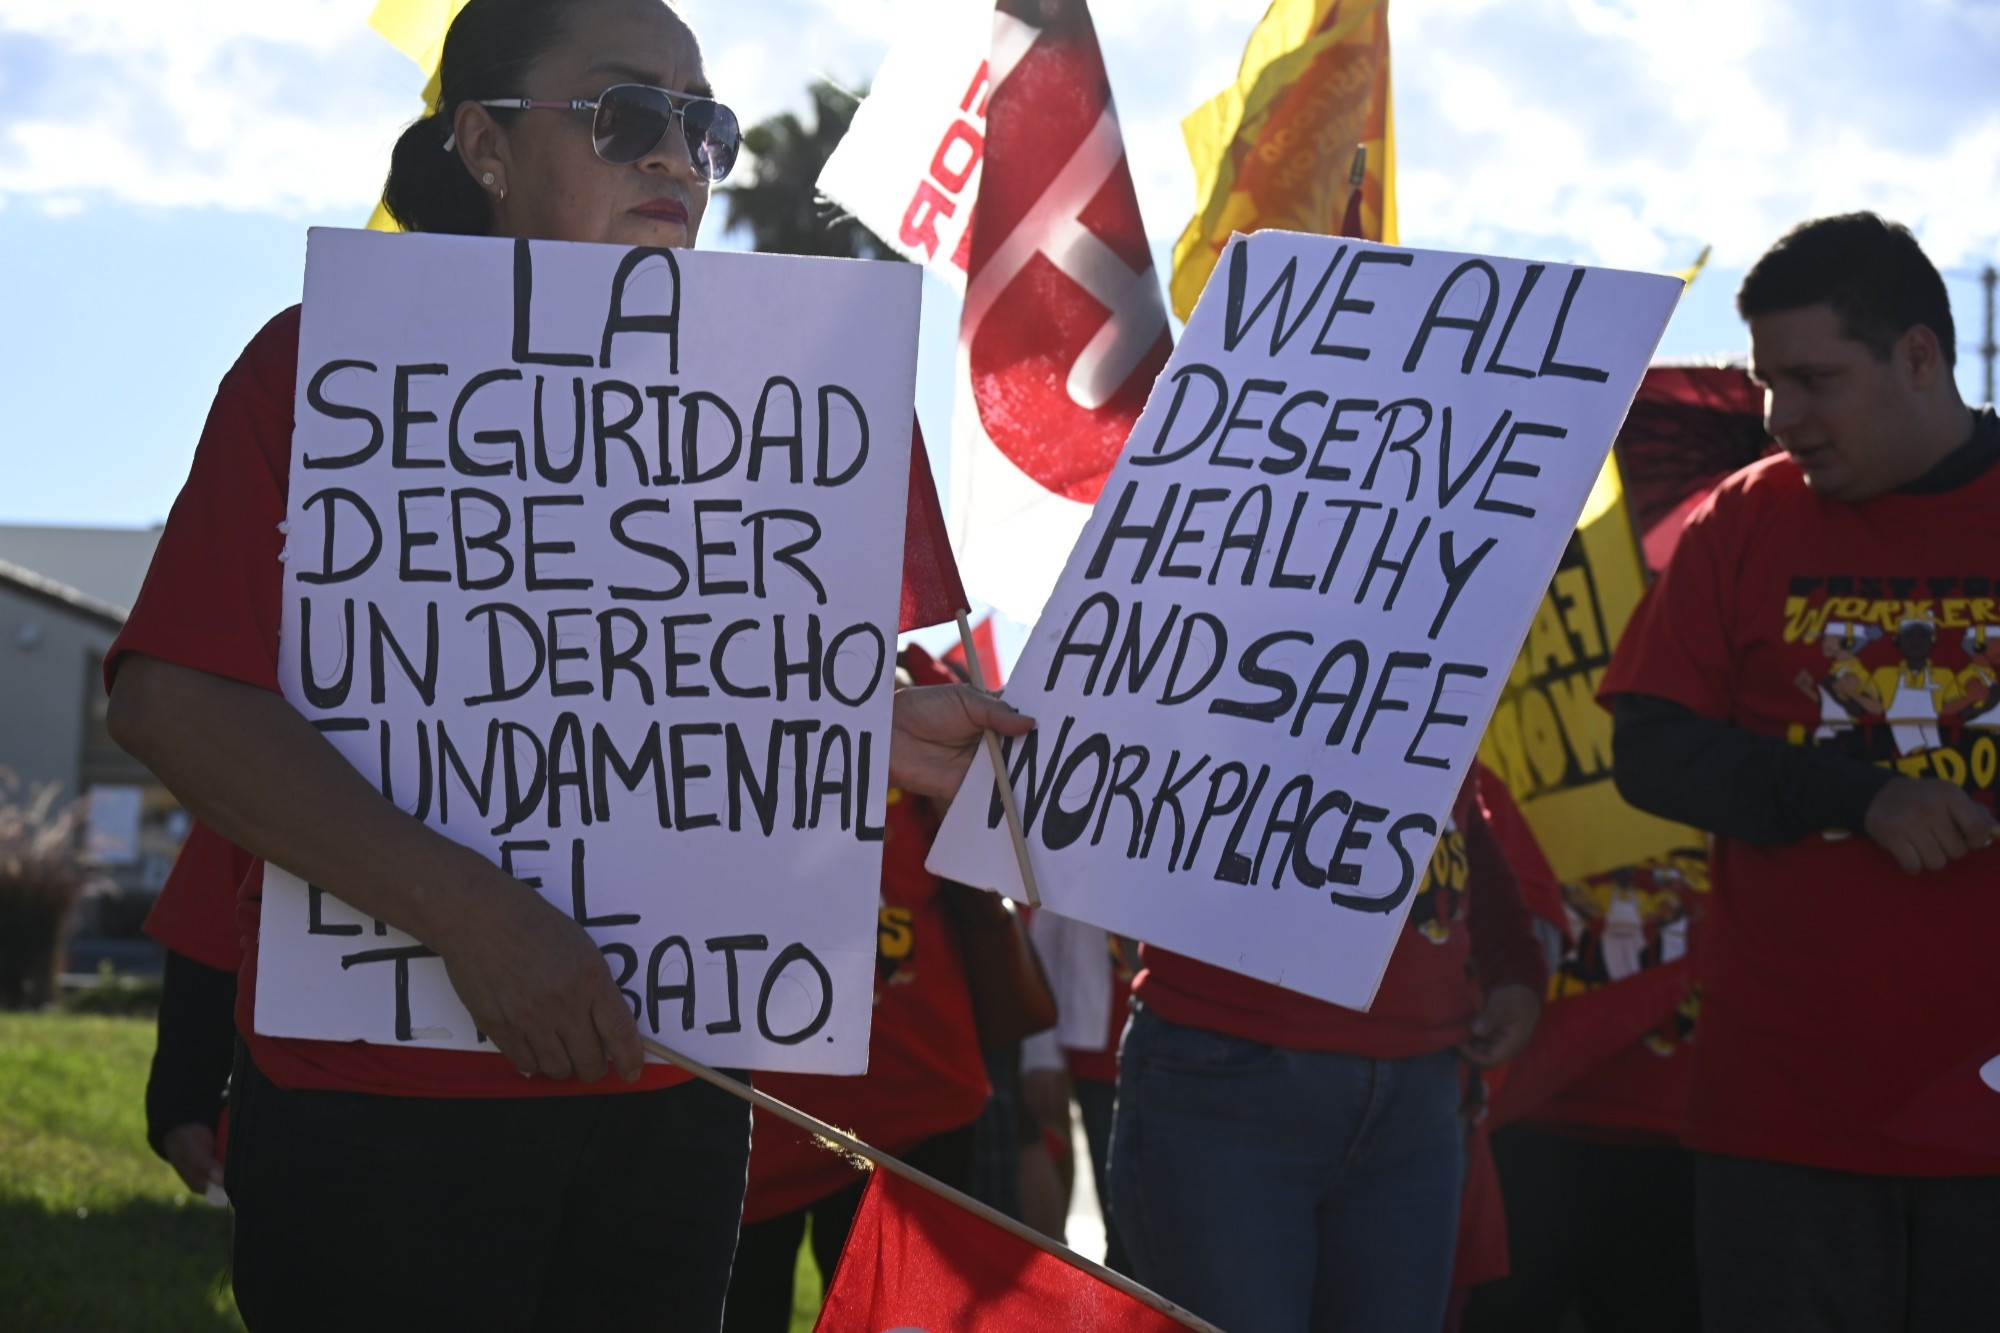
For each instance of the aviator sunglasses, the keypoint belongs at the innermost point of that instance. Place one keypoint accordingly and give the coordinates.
(628, 121)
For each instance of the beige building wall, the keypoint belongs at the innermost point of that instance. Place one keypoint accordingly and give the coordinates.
(52, 643)
(105, 564)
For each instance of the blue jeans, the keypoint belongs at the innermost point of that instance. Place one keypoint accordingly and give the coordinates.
(1097, 1102)
(1273, 1191)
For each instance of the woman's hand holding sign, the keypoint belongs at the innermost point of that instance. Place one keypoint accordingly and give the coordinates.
(937, 731)
(537, 985)
(252, 768)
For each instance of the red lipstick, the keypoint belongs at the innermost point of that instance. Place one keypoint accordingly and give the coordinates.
(664, 210)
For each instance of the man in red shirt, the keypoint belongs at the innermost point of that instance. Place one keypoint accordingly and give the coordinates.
(1849, 966)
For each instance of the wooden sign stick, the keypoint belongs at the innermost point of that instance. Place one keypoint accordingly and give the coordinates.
(1000, 778)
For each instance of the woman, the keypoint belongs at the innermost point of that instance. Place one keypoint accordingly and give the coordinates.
(391, 1187)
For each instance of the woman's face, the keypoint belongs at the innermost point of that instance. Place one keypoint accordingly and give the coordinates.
(557, 188)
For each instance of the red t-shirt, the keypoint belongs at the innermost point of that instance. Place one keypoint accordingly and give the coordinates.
(211, 601)
(195, 914)
(925, 1071)
(1467, 930)
(1834, 986)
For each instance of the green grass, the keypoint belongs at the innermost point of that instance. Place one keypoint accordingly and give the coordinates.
(806, 1294)
(95, 1231)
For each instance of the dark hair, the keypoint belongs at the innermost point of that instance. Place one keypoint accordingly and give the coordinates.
(1871, 271)
(487, 53)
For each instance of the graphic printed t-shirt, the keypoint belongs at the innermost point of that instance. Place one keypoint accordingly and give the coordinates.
(1834, 986)
(212, 601)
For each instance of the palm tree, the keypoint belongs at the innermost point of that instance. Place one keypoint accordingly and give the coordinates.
(779, 204)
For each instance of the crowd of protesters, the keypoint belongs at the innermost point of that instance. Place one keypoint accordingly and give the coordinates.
(1738, 1143)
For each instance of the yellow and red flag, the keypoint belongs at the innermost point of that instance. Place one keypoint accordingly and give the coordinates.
(1274, 149)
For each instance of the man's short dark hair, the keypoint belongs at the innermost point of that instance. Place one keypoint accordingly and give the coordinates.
(1872, 272)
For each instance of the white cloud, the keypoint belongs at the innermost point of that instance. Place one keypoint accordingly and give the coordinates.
(1618, 131)
(198, 103)
(1633, 133)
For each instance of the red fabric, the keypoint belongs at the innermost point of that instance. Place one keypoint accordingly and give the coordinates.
(1641, 1086)
(1834, 987)
(1960, 1110)
(1026, 328)
(1482, 1254)
(195, 914)
(925, 1071)
(987, 646)
(1657, 546)
(1466, 921)
(211, 601)
(916, 1261)
(1541, 891)
(923, 668)
(1689, 427)
(932, 592)
(1597, 1059)
(1609, 1053)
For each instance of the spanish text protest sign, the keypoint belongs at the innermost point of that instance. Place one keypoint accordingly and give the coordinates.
(592, 565)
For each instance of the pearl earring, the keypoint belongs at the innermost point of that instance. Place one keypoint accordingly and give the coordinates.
(487, 180)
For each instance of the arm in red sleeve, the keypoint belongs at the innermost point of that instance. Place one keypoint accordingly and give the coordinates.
(193, 680)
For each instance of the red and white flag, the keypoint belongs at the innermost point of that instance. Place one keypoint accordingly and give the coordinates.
(915, 1261)
(1064, 327)
(910, 164)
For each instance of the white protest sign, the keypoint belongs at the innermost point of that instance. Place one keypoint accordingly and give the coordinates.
(592, 565)
(1271, 655)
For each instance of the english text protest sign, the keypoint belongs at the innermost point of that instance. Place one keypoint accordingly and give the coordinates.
(592, 565)
(1273, 650)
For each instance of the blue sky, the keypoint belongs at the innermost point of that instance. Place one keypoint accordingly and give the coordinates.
(160, 163)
